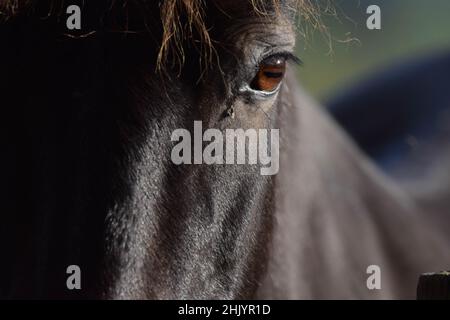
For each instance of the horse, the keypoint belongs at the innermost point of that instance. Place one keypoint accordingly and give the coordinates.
(88, 180)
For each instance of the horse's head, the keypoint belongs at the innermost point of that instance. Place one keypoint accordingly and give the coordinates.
(96, 167)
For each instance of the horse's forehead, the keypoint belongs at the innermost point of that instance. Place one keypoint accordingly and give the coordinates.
(262, 19)
(249, 8)
(267, 4)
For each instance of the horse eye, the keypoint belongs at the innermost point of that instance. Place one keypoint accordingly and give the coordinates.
(270, 74)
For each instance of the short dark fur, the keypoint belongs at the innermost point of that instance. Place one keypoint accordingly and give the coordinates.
(87, 176)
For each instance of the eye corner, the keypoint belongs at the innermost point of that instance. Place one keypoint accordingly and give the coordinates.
(290, 57)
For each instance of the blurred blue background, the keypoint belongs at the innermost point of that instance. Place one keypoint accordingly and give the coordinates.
(410, 28)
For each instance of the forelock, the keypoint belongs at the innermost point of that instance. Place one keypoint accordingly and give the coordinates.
(180, 20)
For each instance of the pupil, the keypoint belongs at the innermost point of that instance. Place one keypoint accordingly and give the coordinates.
(273, 74)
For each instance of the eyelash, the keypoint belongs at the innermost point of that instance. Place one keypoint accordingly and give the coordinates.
(288, 56)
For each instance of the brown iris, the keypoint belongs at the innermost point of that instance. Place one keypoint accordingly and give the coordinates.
(270, 74)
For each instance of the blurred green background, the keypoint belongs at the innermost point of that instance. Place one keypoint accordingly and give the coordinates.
(409, 28)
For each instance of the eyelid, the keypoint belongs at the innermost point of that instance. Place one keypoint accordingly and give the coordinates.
(288, 56)
(259, 93)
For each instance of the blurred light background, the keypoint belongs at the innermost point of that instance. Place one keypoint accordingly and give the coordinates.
(410, 28)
